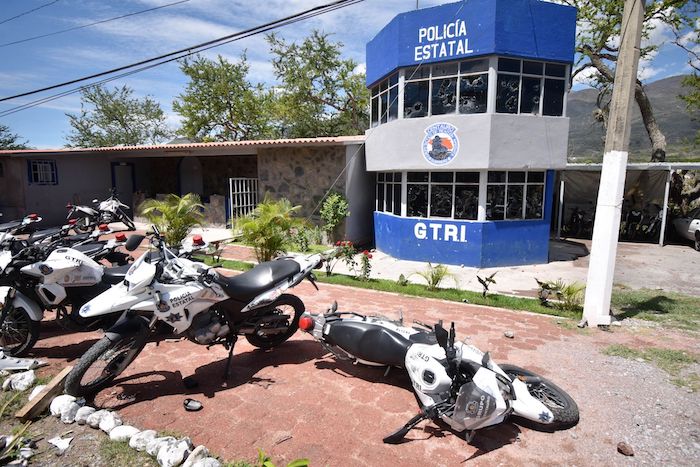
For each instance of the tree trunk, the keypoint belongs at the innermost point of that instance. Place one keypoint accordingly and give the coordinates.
(656, 137)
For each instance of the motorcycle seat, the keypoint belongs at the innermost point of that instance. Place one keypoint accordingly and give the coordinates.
(10, 226)
(250, 284)
(369, 342)
(89, 249)
(115, 275)
(40, 235)
(77, 238)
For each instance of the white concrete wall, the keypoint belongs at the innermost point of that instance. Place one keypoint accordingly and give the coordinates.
(486, 141)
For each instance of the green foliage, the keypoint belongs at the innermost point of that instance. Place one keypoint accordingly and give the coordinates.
(110, 118)
(434, 275)
(486, 282)
(321, 94)
(365, 266)
(672, 361)
(268, 229)
(265, 461)
(402, 281)
(334, 210)
(9, 140)
(568, 294)
(692, 98)
(174, 216)
(119, 453)
(220, 104)
(667, 308)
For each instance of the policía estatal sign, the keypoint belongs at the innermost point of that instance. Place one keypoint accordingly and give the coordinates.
(442, 41)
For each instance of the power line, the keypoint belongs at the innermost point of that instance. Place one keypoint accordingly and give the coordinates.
(193, 49)
(241, 35)
(75, 28)
(28, 11)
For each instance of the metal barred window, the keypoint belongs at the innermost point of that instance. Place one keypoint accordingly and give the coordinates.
(42, 172)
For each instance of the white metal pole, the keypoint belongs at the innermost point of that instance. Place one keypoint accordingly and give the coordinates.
(561, 208)
(601, 269)
(664, 211)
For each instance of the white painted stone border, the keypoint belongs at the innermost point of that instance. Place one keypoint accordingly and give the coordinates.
(168, 450)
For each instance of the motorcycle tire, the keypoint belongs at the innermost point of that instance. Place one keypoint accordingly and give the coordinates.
(83, 225)
(562, 406)
(116, 354)
(21, 330)
(697, 241)
(262, 341)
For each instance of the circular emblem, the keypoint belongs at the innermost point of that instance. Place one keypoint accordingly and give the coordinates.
(440, 144)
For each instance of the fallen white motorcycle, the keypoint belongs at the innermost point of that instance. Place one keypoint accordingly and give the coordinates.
(455, 382)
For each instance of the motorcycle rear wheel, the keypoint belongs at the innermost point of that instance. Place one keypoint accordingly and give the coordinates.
(18, 333)
(562, 406)
(102, 363)
(285, 304)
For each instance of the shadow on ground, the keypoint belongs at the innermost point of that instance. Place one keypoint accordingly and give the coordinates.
(566, 250)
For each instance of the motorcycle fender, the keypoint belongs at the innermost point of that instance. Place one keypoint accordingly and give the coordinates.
(527, 406)
(111, 301)
(22, 301)
(126, 325)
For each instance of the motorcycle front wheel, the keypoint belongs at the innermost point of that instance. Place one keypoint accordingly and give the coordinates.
(102, 363)
(291, 307)
(562, 406)
(83, 225)
(19, 332)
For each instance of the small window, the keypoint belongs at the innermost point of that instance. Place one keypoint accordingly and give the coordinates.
(509, 65)
(473, 93)
(42, 172)
(507, 94)
(415, 99)
(444, 98)
(554, 97)
(555, 69)
(530, 98)
(389, 192)
(445, 69)
(474, 66)
(532, 68)
(418, 72)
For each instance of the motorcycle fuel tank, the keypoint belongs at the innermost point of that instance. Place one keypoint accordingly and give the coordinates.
(66, 267)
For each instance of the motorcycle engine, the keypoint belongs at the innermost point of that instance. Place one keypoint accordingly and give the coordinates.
(207, 327)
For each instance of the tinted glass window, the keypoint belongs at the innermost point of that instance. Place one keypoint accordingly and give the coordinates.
(444, 99)
(441, 201)
(507, 94)
(508, 64)
(473, 93)
(415, 100)
(530, 98)
(553, 97)
(417, 202)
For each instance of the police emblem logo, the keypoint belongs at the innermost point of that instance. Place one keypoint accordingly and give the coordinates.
(440, 144)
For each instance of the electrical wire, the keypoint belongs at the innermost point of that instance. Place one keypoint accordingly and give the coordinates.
(28, 11)
(242, 35)
(75, 28)
(195, 48)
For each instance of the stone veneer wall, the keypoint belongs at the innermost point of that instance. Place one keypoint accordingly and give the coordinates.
(216, 170)
(302, 175)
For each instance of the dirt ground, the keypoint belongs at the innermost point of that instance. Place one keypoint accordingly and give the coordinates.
(296, 401)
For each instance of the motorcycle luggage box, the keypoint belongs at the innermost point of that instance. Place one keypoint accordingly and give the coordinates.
(369, 342)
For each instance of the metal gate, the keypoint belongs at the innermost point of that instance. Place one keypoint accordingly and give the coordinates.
(243, 193)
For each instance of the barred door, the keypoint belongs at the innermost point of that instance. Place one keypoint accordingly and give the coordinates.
(243, 194)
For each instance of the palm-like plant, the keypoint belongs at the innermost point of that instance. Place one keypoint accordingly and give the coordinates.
(174, 216)
(267, 228)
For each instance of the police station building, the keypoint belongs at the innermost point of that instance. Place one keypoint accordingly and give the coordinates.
(468, 117)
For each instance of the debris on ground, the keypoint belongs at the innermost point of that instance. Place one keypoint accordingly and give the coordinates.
(62, 444)
(509, 334)
(625, 449)
(19, 381)
(13, 363)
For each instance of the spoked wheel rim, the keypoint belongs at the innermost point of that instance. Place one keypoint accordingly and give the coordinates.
(550, 398)
(111, 362)
(15, 330)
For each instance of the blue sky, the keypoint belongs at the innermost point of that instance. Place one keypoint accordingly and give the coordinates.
(74, 54)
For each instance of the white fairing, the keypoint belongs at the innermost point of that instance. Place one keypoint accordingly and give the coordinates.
(68, 268)
(86, 210)
(5, 259)
(22, 301)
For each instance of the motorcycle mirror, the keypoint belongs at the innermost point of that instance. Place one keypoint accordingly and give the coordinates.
(441, 335)
(133, 242)
(95, 200)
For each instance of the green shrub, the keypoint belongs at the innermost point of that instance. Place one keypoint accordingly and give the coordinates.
(334, 210)
(268, 229)
(174, 216)
(568, 294)
(434, 275)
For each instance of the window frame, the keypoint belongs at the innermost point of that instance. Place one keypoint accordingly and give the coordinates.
(525, 184)
(39, 168)
(542, 77)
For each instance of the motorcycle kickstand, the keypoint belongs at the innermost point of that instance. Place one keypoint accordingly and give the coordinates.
(230, 343)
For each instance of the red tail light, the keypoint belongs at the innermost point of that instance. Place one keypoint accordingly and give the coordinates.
(306, 323)
(69, 206)
(103, 227)
(197, 240)
(33, 216)
(72, 221)
(120, 237)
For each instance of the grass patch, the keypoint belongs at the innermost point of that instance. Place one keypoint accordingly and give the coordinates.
(419, 290)
(667, 308)
(672, 361)
(119, 453)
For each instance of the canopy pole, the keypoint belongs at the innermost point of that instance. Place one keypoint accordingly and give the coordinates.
(561, 206)
(664, 211)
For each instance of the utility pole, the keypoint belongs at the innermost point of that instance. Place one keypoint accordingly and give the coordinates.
(596, 310)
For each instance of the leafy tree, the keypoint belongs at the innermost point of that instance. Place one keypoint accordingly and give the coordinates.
(174, 216)
(690, 42)
(320, 94)
(333, 212)
(110, 118)
(268, 228)
(597, 40)
(9, 140)
(220, 104)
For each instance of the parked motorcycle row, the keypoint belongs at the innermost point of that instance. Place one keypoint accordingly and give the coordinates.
(167, 292)
(636, 224)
